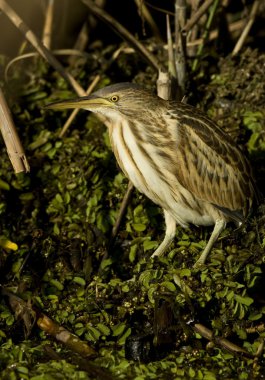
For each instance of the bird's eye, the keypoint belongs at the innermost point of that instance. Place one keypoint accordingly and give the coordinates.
(114, 98)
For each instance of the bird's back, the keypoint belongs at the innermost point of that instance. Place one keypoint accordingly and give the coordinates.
(209, 165)
(185, 163)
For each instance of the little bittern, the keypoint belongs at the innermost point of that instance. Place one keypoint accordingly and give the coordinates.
(176, 156)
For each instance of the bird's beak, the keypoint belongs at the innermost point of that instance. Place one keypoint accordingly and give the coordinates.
(90, 103)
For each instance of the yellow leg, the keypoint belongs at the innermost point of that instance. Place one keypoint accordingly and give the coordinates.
(169, 236)
(218, 228)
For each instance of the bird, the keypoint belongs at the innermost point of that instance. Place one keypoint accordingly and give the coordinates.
(175, 155)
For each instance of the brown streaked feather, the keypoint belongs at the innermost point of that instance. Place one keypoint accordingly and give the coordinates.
(177, 157)
(209, 165)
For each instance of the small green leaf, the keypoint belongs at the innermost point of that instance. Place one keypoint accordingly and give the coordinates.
(209, 376)
(79, 281)
(139, 227)
(17, 265)
(26, 196)
(59, 198)
(242, 334)
(4, 185)
(57, 284)
(95, 333)
(255, 316)
(80, 331)
(192, 373)
(23, 370)
(169, 285)
(138, 210)
(183, 243)
(104, 329)
(56, 229)
(151, 294)
(149, 244)
(244, 300)
(105, 263)
(10, 320)
(118, 329)
(185, 273)
(230, 295)
(132, 253)
(123, 338)
(67, 197)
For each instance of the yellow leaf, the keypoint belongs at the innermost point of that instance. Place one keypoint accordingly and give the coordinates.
(7, 244)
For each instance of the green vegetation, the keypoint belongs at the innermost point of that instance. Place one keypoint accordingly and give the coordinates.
(61, 215)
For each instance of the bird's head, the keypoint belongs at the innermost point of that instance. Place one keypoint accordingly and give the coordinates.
(118, 100)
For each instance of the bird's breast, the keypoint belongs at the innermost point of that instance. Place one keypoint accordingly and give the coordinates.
(150, 171)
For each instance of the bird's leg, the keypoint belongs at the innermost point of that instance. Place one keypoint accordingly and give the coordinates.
(218, 228)
(169, 236)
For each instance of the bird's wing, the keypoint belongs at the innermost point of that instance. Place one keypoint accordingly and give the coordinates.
(209, 165)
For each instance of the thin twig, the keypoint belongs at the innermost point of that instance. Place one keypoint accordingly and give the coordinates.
(71, 52)
(146, 15)
(161, 10)
(122, 211)
(180, 41)
(206, 32)
(82, 38)
(256, 329)
(194, 32)
(13, 145)
(21, 309)
(180, 18)
(166, 84)
(123, 32)
(233, 27)
(46, 324)
(47, 30)
(197, 15)
(247, 28)
(38, 45)
(171, 55)
(222, 342)
(81, 41)
(64, 336)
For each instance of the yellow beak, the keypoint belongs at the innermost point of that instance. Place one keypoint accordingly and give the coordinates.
(90, 103)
